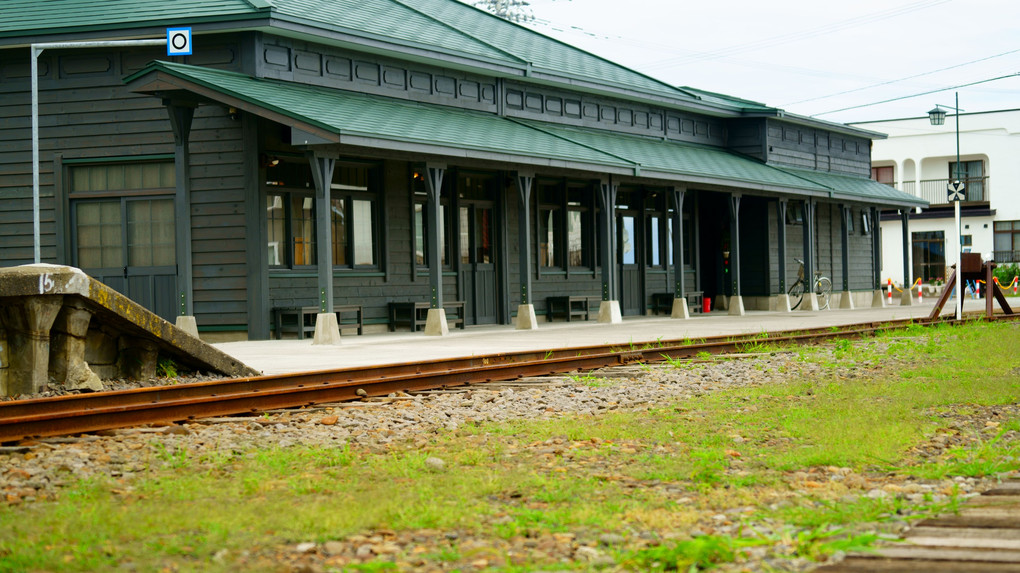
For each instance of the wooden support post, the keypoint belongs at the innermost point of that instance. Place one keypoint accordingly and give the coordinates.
(526, 311)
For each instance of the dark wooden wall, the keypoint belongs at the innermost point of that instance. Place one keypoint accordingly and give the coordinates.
(808, 148)
(828, 249)
(86, 113)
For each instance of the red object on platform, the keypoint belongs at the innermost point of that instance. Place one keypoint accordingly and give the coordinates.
(706, 304)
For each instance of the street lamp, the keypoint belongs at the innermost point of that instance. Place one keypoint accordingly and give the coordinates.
(954, 192)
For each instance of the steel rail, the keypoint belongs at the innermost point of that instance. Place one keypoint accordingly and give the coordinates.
(65, 415)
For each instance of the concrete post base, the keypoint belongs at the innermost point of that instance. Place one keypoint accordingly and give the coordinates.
(736, 305)
(680, 308)
(810, 302)
(721, 302)
(526, 317)
(906, 298)
(327, 331)
(28, 339)
(609, 312)
(435, 323)
(187, 324)
(783, 303)
(846, 300)
(878, 299)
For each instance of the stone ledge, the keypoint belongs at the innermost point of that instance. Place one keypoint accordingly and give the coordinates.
(52, 317)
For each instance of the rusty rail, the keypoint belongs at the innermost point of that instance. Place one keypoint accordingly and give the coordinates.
(80, 413)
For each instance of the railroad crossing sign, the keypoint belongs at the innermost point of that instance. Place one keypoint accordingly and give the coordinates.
(178, 41)
(955, 191)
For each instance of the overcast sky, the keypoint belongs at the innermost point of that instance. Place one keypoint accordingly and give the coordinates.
(809, 57)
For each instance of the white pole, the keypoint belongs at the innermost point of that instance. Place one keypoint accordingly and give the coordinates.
(959, 262)
(35, 51)
(959, 228)
(35, 153)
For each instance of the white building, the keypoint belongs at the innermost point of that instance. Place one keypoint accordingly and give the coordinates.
(920, 158)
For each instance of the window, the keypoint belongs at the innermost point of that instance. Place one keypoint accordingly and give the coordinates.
(655, 228)
(794, 213)
(1007, 242)
(123, 215)
(865, 222)
(850, 222)
(883, 175)
(352, 216)
(421, 223)
(929, 255)
(972, 174)
(579, 225)
(688, 236)
(550, 226)
(291, 218)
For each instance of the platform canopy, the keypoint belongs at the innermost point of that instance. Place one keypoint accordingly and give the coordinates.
(326, 116)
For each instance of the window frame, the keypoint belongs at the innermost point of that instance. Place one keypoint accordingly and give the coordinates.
(555, 205)
(419, 197)
(124, 194)
(298, 172)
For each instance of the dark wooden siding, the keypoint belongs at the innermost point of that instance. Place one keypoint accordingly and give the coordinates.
(755, 268)
(87, 114)
(862, 271)
(747, 137)
(218, 220)
(807, 148)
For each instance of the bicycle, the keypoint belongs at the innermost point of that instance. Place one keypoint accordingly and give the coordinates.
(823, 288)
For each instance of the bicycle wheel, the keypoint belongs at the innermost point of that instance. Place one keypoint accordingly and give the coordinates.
(823, 288)
(796, 293)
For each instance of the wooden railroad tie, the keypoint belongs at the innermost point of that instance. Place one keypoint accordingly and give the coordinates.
(984, 537)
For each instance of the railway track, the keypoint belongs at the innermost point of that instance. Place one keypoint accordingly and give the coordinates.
(983, 537)
(66, 415)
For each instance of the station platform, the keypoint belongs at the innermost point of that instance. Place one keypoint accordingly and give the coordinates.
(286, 356)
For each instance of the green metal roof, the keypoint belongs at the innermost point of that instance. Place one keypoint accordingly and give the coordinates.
(27, 18)
(670, 157)
(389, 123)
(858, 188)
(350, 114)
(438, 26)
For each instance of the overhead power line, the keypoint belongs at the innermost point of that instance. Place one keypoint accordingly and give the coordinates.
(880, 84)
(795, 36)
(918, 94)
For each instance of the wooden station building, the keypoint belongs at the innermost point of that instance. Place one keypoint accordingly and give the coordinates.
(369, 152)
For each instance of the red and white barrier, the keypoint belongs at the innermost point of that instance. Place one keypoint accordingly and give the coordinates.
(889, 298)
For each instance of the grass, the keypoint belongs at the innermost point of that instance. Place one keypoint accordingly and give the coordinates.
(523, 478)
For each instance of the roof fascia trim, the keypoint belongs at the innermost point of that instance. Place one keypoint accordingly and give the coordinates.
(154, 81)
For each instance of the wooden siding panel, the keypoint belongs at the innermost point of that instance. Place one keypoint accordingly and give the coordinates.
(808, 148)
(87, 113)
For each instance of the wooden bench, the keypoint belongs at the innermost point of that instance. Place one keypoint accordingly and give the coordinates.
(570, 307)
(355, 309)
(695, 301)
(415, 314)
(663, 302)
(304, 319)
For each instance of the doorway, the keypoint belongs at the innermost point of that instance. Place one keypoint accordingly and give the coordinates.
(478, 250)
(629, 253)
(714, 243)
